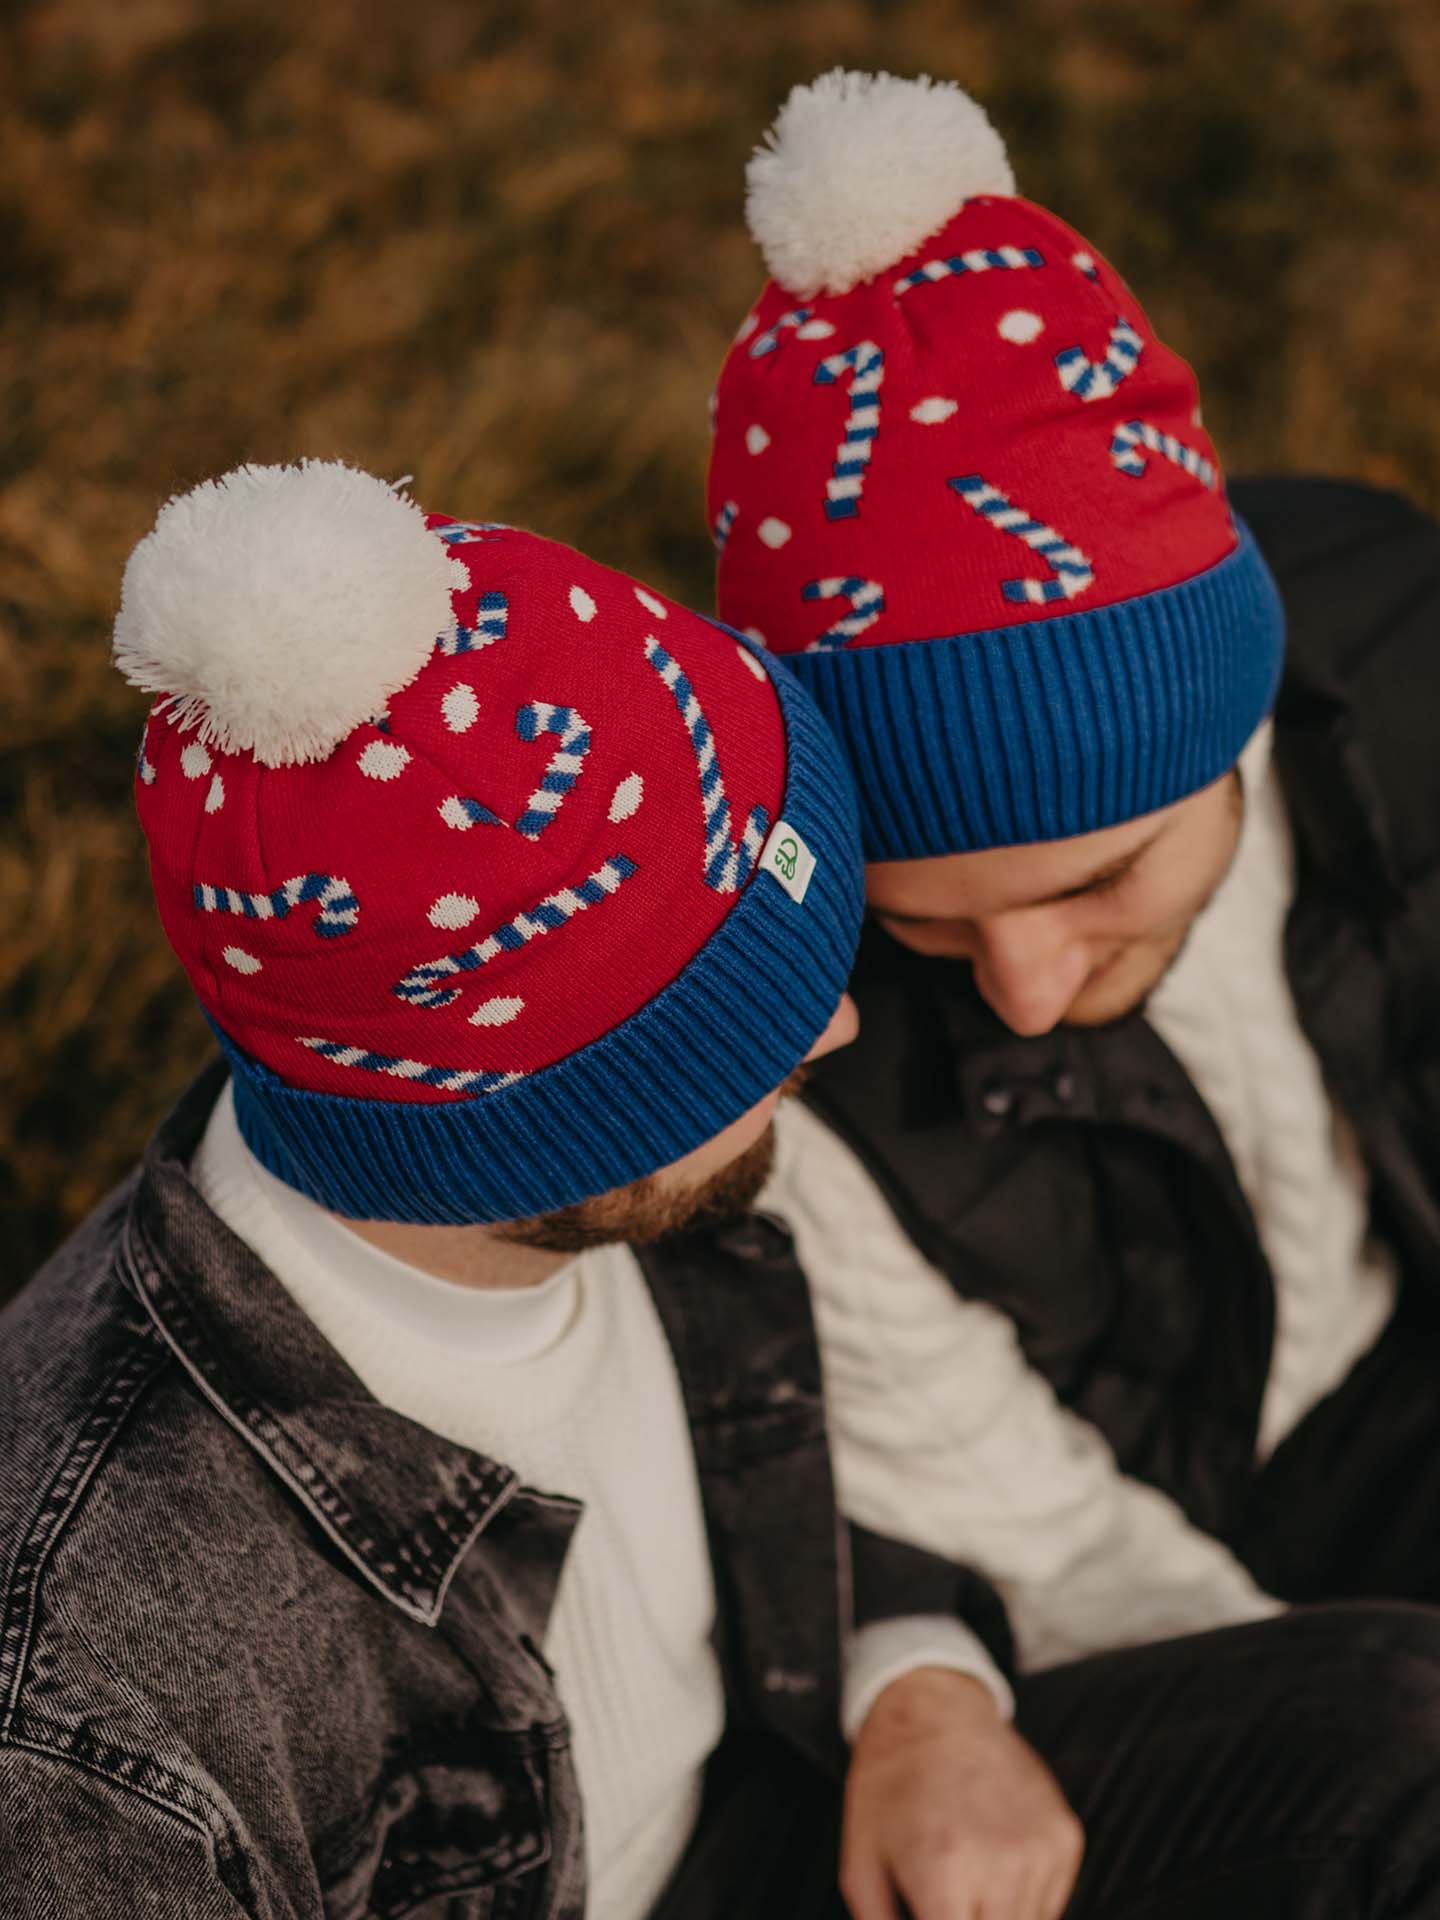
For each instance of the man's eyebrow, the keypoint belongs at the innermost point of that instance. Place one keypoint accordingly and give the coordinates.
(909, 919)
(1103, 877)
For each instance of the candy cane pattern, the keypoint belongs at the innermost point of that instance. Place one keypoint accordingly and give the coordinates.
(727, 862)
(462, 533)
(462, 813)
(724, 521)
(976, 260)
(867, 603)
(1073, 572)
(493, 611)
(145, 766)
(867, 363)
(420, 986)
(339, 909)
(767, 342)
(1085, 379)
(565, 763)
(1127, 441)
(448, 1079)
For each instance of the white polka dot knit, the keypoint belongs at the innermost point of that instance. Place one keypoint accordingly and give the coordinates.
(571, 1384)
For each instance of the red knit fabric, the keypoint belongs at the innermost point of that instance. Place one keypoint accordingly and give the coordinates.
(383, 815)
(1007, 417)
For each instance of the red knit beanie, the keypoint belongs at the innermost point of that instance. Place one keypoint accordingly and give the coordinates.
(474, 850)
(960, 484)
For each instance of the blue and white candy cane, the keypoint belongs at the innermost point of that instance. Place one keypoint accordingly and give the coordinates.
(1127, 441)
(975, 260)
(1073, 572)
(724, 521)
(538, 718)
(447, 1079)
(461, 812)
(767, 342)
(1097, 380)
(867, 603)
(462, 533)
(727, 862)
(339, 909)
(866, 363)
(423, 985)
(492, 612)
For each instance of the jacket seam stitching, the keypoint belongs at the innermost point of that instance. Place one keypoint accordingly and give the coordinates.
(201, 1814)
(133, 1373)
(252, 1419)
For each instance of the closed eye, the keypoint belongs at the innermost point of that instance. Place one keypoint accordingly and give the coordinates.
(1103, 883)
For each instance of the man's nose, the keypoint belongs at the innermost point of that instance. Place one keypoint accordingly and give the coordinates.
(1029, 968)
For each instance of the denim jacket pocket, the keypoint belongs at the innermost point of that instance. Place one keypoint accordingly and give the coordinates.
(451, 1836)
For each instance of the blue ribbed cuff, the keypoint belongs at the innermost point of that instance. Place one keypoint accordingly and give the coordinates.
(1058, 726)
(723, 1034)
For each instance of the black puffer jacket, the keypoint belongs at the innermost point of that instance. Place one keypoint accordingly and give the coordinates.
(1077, 1180)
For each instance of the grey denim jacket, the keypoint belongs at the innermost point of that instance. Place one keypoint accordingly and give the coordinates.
(270, 1649)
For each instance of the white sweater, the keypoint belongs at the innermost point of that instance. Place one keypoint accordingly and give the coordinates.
(940, 1430)
(1225, 1011)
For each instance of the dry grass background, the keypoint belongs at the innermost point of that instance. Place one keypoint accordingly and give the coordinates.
(499, 246)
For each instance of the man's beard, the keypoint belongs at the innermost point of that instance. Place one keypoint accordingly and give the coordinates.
(644, 1212)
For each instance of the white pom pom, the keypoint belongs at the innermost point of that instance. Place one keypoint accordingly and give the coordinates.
(279, 607)
(859, 168)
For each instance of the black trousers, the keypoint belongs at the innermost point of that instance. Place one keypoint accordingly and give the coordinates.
(1284, 1771)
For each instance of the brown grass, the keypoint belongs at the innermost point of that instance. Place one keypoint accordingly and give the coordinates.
(499, 246)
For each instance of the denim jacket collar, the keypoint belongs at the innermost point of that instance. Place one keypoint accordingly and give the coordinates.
(399, 1502)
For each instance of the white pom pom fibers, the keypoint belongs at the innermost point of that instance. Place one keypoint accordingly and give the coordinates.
(859, 168)
(279, 607)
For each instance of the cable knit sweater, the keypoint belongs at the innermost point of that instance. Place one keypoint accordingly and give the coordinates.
(943, 1434)
(1226, 1013)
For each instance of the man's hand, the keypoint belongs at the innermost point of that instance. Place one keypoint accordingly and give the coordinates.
(949, 1815)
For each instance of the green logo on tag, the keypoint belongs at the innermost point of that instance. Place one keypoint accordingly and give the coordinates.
(790, 861)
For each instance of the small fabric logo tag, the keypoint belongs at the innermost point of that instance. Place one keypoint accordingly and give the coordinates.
(787, 857)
